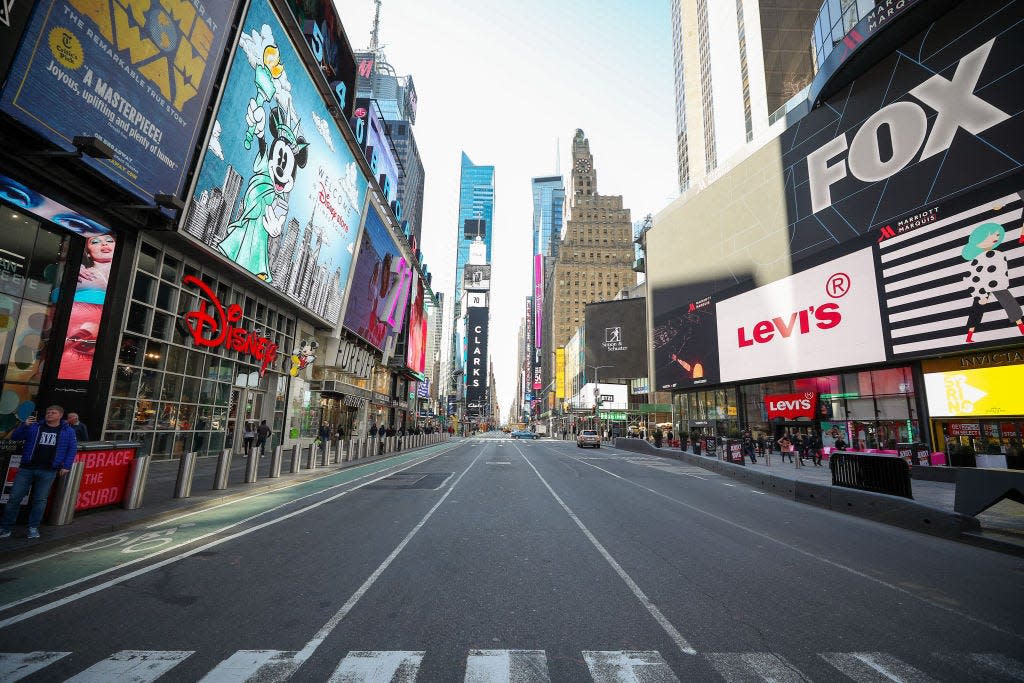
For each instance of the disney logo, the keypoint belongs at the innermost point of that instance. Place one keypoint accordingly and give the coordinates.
(325, 199)
(216, 328)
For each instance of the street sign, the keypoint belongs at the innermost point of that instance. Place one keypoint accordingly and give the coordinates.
(607, 398)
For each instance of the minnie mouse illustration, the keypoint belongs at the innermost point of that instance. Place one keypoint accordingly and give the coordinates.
(303, 356)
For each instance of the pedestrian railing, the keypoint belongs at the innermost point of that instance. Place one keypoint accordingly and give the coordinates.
(870, 472)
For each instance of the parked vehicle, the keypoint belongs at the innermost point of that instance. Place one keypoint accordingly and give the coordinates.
(588, 437)
(523, 434)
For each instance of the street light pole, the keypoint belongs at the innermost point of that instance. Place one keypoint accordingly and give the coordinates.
(597, 397)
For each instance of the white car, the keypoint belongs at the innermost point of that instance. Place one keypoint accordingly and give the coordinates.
(588, 437)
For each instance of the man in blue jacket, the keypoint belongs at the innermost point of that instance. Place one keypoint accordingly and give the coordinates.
(50, 448)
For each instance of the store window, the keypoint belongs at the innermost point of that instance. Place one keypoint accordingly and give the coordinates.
(175, 397)
(32, 261)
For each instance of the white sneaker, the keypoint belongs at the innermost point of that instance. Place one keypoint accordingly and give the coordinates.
(33, 532)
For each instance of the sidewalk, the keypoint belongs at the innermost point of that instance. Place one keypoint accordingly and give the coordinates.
(1001, 525)
(158, 498)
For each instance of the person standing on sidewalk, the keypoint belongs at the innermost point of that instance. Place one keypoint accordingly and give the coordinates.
(262, 436)
(248, 436)
(81, 431)
(786, 447)
(814, 445)
(50, 449)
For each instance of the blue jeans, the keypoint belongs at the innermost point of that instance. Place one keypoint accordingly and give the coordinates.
(40, 482)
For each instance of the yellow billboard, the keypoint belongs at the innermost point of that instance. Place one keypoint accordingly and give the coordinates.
(982, 391)
(560, 372)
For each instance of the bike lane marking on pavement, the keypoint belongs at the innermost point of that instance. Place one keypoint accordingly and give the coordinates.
(662, 620)
(807, 553)
(107, 554)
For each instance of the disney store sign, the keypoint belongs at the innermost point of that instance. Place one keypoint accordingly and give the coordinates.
(213, 326)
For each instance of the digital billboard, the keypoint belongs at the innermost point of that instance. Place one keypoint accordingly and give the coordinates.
(326, 37)
(278, 193)
(13, 19)
(981, 391)
(380, 285)
(369, 130)
(136, 78)
(822, 317)
(538, 300)
(560, 372)
(953, 275)
(684, 336)
(416, 347)
(616, 338)
(476, 357)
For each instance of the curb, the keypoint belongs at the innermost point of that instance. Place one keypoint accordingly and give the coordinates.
(877, 507)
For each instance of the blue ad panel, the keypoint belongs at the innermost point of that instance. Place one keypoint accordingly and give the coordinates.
(279, 192)
(137, 79)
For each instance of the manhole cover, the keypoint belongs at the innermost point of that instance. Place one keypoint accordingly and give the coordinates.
(412, 480)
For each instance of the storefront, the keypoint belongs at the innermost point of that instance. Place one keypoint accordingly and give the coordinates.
(976, 405)
(179, 383)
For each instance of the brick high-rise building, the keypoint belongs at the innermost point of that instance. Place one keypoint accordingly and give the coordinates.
(595, 257)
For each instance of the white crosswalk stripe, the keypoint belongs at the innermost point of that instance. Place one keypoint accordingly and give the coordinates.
(750, 667)
(378, 666)
(137, 666)
(506, 666)
(872, 667)
(245, 664)
(621, 666)
(14, 666)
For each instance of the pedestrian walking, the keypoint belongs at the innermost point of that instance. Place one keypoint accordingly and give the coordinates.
(49, 451)
(81, 431)
(786, 447)
(565, 434)
(657, 438)
(815, 447)
(249, 436)
(262, 436)
(748, 447)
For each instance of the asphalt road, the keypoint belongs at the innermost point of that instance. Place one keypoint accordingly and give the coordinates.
(499, 560)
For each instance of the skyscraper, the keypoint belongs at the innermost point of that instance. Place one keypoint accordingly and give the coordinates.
(736, 63)
(548, 207)
(548, 204)
(596, 254)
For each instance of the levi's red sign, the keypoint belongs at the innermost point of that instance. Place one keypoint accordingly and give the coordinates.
(104, 477)
(791, 406)
(217, 329)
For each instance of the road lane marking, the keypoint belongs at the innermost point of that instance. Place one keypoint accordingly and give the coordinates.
(244, 663)
(189, 553)
(498, 463)
(661, 465)
(807, 553)
(317, 640)
(135, 666)
(665, 624)
(737, 667)
(623, 666)
(509, 666)
(378, 666)
(875, 667)
(15, 666)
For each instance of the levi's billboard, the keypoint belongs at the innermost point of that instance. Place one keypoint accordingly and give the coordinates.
(791, 406)
(823, 317)
(135, 75)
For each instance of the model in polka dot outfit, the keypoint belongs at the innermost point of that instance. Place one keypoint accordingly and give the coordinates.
(988, 277)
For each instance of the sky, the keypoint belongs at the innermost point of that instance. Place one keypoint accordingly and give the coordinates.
(509, 83)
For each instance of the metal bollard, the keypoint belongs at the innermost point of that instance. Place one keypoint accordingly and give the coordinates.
(252, 464)
(220, 478)
(311, 457)
(67, 495)
(275, 462)
(186, 469)
(389, 443)
(296, 460)
(135, 488)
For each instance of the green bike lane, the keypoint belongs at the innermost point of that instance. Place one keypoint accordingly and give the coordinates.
(110, 558)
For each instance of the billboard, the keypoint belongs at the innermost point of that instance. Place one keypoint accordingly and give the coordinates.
(905, 137)
(325, 35)
(416, 347)
(13, 19)
(684, 342)
(380, 285)
(982, 391)
(616, 338)
(953, 275)
(560, 372)
(476, 277)
(538, 299)
(823, 317)
(278, 192)
(370, 133)
(476, 357)
(138, 80)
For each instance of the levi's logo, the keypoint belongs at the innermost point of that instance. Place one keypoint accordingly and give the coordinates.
(805, 321)
(784, 406)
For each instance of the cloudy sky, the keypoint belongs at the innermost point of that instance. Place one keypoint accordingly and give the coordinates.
(509, 83)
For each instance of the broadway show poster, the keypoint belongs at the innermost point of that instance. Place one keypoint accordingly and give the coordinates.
(279, 193)
(416, 351)
(953, 275)
(684, 338)
(135, 75)
(380, 285)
